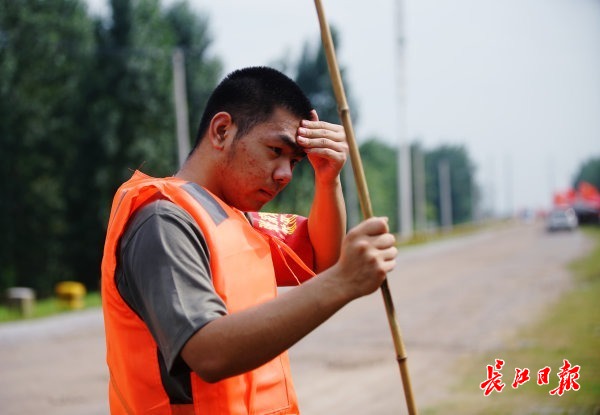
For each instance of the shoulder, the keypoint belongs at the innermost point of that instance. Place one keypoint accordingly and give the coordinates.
(159, 216)
(160, 208)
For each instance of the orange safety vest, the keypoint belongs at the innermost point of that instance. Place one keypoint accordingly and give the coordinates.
(243, 276)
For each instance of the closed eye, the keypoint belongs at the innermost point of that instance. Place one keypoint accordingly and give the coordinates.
(276, 150)
(294, 162)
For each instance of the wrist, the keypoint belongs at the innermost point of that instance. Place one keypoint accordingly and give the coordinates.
(328, 182)
(334, 287)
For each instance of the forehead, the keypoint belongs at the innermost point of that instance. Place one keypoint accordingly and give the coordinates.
(281, 127)
(283, 120)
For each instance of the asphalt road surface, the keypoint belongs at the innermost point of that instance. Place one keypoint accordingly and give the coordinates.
(453, 298)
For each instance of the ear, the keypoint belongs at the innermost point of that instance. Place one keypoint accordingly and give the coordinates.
(220, 130)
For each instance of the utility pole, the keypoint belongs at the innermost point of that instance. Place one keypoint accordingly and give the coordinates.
(491, 188)
(445, 194)
(181, 109)
(419, 190)
(404, 159)
(476, 215)
(509, 193)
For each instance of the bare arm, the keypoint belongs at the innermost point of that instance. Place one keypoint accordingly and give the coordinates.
(242, 341)
(327, 223)
(326, 147)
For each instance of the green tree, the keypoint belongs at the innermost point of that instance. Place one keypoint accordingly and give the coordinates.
(312, 75)
(128, 119)
(83, 102)
(380, 165)
(193, 36)
(589, 172)
(130, 116)
(461, 182)
(45, 51)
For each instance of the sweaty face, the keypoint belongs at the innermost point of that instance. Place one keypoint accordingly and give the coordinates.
(259, 164)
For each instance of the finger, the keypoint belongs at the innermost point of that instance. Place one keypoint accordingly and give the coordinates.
(315, 122)
(322, 143)
(384, 241)
(389, 265)
(319, 126)
(389, 254)
(313, 115)
(374, 226)
(317, 133)
(322, 125)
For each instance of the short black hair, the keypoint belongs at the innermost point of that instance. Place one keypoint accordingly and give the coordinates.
(250, 96)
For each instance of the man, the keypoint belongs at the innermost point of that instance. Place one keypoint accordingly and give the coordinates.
(193, 321)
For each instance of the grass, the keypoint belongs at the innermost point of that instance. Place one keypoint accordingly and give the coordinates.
(47, 307)
(570, 330)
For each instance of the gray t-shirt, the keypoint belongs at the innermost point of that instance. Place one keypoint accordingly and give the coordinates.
(163, 273)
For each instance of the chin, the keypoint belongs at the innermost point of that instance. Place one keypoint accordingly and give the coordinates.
(245, 206)
(256, 207)
(248, 202)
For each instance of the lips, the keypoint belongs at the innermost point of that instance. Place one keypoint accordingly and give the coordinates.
(267, 193)
(271, 192)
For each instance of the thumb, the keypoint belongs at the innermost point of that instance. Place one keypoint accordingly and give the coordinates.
(313, 115)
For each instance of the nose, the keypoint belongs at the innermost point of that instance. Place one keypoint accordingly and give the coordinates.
(283, 173)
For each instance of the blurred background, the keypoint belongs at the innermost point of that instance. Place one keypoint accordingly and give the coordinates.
(469, 114)
(464, 111)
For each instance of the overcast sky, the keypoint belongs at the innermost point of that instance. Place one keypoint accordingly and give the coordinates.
(517, 82)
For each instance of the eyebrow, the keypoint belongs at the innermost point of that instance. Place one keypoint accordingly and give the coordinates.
(291, 143)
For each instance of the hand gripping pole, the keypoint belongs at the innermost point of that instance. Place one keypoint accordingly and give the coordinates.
(363, 194)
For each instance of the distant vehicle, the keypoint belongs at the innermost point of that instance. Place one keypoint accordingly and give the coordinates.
(561, 219)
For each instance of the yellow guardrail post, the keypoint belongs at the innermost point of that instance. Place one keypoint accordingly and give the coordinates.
(71, 294)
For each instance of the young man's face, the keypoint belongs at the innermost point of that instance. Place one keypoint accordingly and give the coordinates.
(259, 164)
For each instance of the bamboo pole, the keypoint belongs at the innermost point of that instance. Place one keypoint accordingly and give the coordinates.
(363, 194)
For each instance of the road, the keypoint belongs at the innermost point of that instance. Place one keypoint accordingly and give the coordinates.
(453, 298)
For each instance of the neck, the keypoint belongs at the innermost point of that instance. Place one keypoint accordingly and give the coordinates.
(197, 169)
